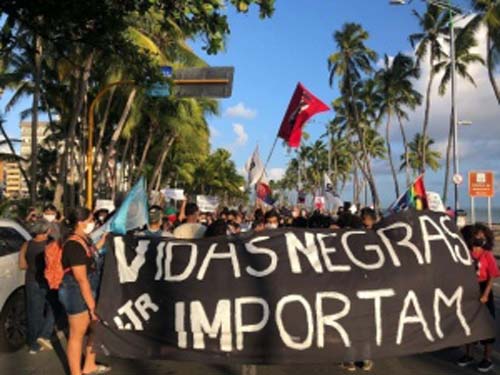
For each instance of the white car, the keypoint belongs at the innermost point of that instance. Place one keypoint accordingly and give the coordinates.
(12, 300)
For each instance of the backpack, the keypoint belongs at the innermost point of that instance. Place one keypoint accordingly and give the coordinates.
(54, 271)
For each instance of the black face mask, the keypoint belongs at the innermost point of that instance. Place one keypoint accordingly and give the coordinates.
(479, 242)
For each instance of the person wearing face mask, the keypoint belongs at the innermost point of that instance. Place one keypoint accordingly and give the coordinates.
(50, 214)
(272, 219)
(77, 292)
(40, 316)
(480, 240)
(101, 216)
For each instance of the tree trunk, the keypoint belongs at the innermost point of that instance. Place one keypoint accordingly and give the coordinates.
(389, 153)
(102, 125)
(447, 166)
(161, 161)
(34, 117)
(491, 66)
(116, 134)
(145, 152)
(427, 114)
(355, 185)
(366, 158)
(405, 144)
(120, 181)
(77, 109)
(132, 161)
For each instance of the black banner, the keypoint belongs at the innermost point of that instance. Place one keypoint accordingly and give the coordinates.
(293, 295)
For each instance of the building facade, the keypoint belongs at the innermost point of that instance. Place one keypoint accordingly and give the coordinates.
(14, 183)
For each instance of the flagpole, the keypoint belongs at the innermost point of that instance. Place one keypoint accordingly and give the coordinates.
(271, 152)
(269, 157)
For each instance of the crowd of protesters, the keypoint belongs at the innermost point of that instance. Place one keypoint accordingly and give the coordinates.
(82, 260)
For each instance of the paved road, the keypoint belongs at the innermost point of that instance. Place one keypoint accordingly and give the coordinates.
(53, 363)
(47, 363)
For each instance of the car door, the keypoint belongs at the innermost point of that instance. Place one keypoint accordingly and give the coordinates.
(10, 275)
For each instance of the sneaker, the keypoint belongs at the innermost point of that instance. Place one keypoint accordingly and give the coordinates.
(367, 365)
(45, 343)
(465, 361)
(485, 366)
(349, 366)
(36, 350)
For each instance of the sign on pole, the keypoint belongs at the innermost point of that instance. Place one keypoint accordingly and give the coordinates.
(209, 82)
(481, 185)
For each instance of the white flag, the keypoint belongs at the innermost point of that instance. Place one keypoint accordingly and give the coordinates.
(254, 168)
(328, 184)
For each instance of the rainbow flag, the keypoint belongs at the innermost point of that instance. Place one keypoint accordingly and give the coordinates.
(415, 197)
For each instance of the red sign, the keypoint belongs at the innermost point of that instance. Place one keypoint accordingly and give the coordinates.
(482, 184)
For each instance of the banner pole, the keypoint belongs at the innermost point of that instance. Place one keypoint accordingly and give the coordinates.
(271, 152)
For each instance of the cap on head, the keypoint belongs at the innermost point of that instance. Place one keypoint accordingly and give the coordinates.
(40, 226)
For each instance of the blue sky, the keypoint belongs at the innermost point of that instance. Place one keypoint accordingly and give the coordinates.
(271, 56)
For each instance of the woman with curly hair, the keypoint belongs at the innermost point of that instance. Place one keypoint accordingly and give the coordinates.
(480, 241)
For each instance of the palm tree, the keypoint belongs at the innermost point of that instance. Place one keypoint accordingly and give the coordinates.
(341, 153)
(352, 59)
(488, 11)
(428, 43)
(465, 41)
(395, 80)
(414, 157)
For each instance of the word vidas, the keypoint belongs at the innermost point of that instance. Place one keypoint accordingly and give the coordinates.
(352, 248)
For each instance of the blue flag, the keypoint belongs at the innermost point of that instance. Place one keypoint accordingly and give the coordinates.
(133, 213)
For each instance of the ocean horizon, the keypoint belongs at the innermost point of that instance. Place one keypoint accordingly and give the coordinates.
(482, 214)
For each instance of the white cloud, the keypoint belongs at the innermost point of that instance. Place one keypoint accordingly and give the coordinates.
(275, 173)
(241, 135)
(479, 143)
(241, 111)
(214, 132)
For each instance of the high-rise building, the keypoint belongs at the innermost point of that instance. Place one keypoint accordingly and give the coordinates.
(14, 183)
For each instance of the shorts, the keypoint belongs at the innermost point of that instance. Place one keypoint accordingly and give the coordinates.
(70, 295)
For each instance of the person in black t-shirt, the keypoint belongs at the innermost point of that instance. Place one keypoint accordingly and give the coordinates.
(78, 291)
(40, 316)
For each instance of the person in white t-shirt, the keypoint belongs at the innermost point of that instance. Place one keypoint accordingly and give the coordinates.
(191, 229)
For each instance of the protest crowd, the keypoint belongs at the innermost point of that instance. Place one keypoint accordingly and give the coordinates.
(73, 304)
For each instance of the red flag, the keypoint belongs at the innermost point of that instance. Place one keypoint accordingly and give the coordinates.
(302, 107)
(264, 192)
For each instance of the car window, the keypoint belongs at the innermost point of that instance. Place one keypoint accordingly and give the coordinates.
(10, 240)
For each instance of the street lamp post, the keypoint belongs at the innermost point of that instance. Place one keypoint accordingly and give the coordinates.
(454, 122)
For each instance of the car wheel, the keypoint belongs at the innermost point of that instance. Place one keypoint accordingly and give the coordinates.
(13, 326)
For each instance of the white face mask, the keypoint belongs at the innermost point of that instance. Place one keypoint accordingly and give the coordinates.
(89, 228)
(50, 218)
(271, 226)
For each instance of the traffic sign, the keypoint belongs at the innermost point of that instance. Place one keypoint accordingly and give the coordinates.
(207, 82)
(158, 90)
(458, 179)
(167, 71)
(481, 184)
